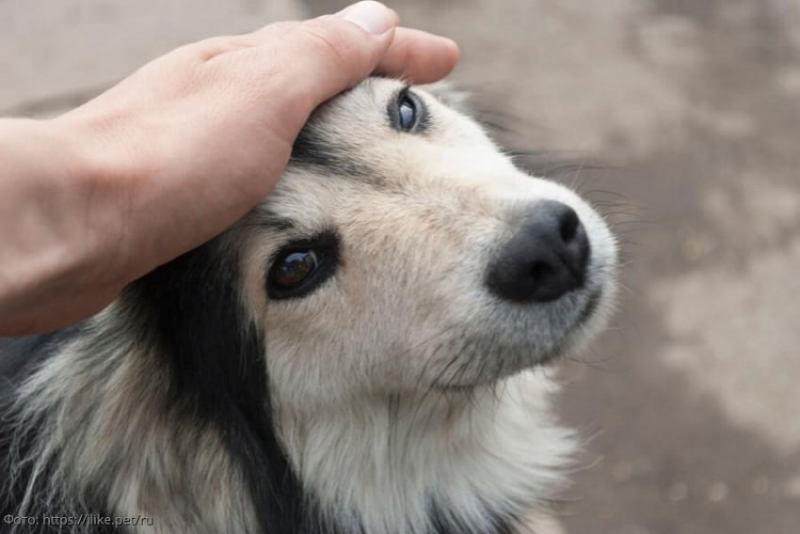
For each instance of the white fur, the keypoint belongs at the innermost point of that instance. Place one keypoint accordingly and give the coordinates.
(386, 460)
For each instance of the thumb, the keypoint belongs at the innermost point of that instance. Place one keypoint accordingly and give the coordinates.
(335, 52)
(373, 17)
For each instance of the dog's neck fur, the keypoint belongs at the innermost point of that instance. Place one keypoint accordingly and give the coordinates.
(440, 463)
(436, 462)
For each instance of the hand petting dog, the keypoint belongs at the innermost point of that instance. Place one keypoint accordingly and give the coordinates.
(174, 154)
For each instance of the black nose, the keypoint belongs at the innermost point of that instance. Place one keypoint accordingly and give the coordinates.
(545, 259)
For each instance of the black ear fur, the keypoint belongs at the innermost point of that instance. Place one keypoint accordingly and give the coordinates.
(191, 307)
(19, 357)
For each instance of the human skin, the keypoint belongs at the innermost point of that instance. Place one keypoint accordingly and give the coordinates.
(175, 154)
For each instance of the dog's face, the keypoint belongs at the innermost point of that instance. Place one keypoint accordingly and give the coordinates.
(403, 251)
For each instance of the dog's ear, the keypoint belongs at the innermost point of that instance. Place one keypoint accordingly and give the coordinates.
(450, 95)
(190, 310)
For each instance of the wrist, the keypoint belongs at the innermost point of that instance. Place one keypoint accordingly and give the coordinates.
(100, 178)
(54, 230)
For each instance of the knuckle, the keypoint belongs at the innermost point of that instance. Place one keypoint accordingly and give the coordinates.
(330, 45)
(212, 47)
(277, 29)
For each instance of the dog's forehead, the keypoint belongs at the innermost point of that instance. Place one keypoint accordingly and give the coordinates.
(352, 136)
(340, 135)
(355, 115)
(367, 95)
(349, 164)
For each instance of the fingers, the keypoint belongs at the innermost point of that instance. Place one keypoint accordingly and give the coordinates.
(418, 56)
(322, 57)
(372, 17)
(288, 69)
(415, 55)
(335, 52)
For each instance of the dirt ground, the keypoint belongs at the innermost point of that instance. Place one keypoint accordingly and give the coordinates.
(686, 114)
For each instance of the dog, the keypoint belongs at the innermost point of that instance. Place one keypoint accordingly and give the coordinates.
(362, 353)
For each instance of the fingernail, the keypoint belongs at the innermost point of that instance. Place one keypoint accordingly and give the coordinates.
(373, 17)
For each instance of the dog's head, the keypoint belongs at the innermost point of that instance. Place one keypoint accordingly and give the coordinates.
(402, 250)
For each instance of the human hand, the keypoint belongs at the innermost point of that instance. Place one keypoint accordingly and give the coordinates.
(175, 154)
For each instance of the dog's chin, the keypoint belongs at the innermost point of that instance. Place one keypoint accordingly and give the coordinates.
(541, 361)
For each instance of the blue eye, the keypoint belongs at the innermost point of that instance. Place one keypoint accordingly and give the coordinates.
(407, 112)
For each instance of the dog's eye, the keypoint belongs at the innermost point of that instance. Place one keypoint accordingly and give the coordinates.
(407, 112)
(302, 266)
(294, 268)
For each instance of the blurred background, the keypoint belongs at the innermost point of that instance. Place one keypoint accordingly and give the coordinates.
(691, 109)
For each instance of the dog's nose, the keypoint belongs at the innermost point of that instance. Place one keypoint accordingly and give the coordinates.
(546, 258)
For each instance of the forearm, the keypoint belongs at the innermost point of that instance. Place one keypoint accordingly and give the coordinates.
(49, 216)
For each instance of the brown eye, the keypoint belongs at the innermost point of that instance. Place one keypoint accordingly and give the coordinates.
(294, 269)
(302, 266)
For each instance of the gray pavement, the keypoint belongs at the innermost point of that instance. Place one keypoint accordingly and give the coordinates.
(693, 106)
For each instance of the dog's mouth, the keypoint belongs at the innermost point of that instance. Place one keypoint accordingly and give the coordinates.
(590, 308)
(498, 361)
(586, 314)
